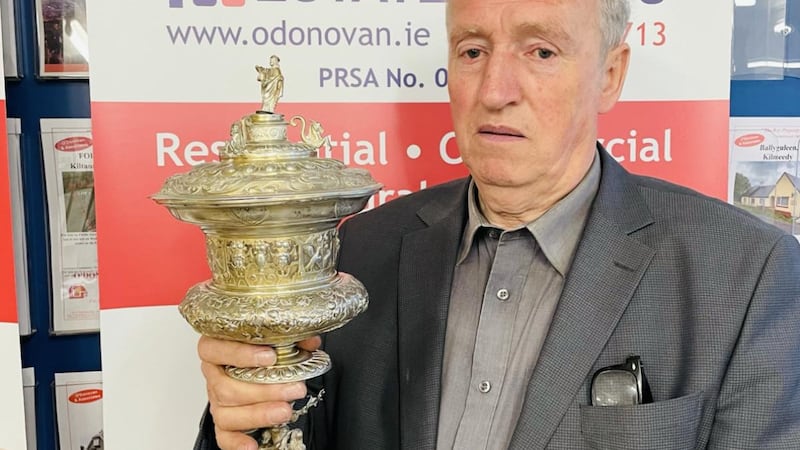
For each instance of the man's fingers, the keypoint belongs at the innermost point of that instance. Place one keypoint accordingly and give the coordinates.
(226, 392)
(234, 440)
(248, 417)
(232, 353)
(237, 405)
(310, 344)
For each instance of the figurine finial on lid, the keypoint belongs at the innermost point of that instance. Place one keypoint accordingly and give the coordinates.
(271, 80)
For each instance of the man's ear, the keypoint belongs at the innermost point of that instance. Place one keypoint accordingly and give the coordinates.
(615, 69)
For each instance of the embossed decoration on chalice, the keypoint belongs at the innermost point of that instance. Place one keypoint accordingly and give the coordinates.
(269, 210)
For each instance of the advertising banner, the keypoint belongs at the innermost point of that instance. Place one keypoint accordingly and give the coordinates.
(69, 178)
(29, 396)
(373, 73)
(12, 412)
(8, 18)
(765, 169)
(79, 410)
(63, 38)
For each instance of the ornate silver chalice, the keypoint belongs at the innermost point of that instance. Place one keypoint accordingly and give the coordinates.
(269, 210)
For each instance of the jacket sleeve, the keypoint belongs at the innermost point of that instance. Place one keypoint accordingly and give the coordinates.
(759, 401)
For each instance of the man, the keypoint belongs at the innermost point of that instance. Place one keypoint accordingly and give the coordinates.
(495, 300)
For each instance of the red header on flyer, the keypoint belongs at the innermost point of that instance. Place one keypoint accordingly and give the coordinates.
(86, 396)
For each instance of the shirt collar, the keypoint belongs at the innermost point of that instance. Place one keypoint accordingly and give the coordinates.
(557, 231)
(475, 221)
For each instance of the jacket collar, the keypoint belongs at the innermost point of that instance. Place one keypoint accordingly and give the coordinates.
(427, 259)
(609, 264)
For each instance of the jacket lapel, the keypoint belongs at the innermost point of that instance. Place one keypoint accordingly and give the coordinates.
(427, 258)
(605, 273)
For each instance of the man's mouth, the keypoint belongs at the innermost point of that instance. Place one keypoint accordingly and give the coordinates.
(500, 131)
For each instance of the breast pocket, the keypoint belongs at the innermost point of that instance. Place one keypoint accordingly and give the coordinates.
(668, 425)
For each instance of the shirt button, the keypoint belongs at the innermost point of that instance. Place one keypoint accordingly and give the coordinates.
(502, 294)
(485, 386)
(494, 233)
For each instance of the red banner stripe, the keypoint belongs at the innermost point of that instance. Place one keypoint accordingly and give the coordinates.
(147, 258)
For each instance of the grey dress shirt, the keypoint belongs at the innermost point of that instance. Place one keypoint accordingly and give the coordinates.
(505, 290)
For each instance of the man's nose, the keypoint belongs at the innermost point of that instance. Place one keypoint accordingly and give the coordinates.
(500, 86)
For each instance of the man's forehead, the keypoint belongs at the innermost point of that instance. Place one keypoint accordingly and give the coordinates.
(540, 3)
(482, 9)
(553, 18)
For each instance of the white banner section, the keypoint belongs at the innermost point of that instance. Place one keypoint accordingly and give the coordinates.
(12, 415)
(157, 382)
(351, 51)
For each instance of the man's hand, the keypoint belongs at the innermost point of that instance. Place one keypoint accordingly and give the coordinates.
(238, 406)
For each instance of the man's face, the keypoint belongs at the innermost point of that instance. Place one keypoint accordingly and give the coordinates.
(527, 80)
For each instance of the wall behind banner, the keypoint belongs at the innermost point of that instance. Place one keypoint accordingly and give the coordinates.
(31, 99)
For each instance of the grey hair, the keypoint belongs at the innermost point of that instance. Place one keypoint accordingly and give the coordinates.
(614, 16)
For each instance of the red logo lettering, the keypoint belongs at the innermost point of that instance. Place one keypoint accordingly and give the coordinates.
(86, 396)
(74, 144)
(749, 140)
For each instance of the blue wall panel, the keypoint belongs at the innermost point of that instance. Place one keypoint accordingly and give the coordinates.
(766, 98)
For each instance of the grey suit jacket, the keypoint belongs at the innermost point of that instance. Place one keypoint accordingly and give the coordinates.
(707, 295)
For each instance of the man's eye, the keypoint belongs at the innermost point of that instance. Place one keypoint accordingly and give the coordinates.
(473, 53)
(544, 53)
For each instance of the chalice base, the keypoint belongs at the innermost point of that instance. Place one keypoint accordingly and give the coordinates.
(293, 364)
